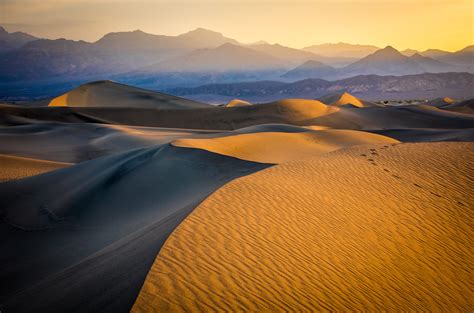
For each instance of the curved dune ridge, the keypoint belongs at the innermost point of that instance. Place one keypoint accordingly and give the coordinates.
(278, 147)
(111, 94)
(97, 226)
(77, 142)
(12, 167)
(345, 99)
(381, 227)
(237, 103)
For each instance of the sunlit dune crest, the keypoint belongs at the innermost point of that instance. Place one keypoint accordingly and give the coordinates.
(278, 147)
(111, 94)
(345, 99)
(356, 229)
(236, 103)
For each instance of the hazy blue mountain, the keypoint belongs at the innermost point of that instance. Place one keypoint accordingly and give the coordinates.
(12, 41)
(369, 87)
(310, 69)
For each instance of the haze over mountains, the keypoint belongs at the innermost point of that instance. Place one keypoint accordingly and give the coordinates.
(199, 57)
(370, 87)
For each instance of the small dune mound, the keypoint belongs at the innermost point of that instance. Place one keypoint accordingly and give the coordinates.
(279, 147)
(461, 107)
(303, 108)
(439, 102)
(237, 103)
(111, 94)
(345, 99)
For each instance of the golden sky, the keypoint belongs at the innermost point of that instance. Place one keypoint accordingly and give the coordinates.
(416, 24)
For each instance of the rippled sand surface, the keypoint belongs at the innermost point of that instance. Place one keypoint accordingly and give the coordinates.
(378, 227)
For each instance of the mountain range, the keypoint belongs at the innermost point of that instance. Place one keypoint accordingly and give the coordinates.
(370, 87)
(202, 56)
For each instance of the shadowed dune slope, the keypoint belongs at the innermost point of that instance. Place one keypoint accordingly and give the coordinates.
(12, 167)
(369, 228)
(288, 111)
(278, 147)
(111, 94)
(291, 111)
(83, 238)
(77, 142)
(428, 134)
(466, 106)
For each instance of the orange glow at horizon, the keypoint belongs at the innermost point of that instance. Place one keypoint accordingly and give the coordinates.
(417, 24)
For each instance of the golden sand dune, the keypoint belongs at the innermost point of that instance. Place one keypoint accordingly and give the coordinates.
(370, 228)
(77, 142)
(111, 94)
(237, 103)
(278, 147)
(345, 99)
(16, 167)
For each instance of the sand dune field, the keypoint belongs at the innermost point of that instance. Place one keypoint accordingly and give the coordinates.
(119, 199)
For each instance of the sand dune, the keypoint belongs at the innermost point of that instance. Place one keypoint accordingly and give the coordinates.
(441, 102)
(290, 111)
(77, 142)
(279, 147)
(15, 167)
(110, 94)
(461, 107)
(345, 99)
(370, 228)
(94, 229)
(237, 103)
(349, 219)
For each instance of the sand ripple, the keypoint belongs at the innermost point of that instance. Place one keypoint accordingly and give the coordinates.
(367, 228)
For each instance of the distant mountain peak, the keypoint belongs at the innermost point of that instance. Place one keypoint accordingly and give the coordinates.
(389, 49)
(201, 32)
(387, 52)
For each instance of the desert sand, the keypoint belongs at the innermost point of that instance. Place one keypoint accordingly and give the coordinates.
(77, 142)
(279, 147)
(356, 229)
(291, 111)
(346, 99)
(237, 103)
(111, 94)
(12, 167)
(290, 205)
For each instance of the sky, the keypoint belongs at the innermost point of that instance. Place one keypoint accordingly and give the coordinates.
(415, 24)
